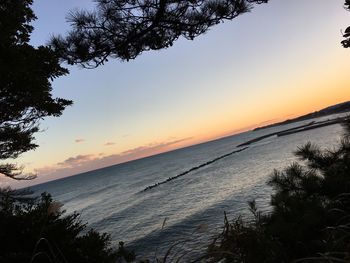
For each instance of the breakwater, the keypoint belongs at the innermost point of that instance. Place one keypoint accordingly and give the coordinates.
(301, 128)
(305, 127)
(193, 169)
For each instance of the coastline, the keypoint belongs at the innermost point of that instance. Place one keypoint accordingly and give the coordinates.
(310, 126)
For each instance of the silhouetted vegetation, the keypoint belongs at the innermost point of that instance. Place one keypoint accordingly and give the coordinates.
(309, 220)
(346, 35)
(310, 217)
(36, 230)
(26, 73)
(124, 29)
(117, 29)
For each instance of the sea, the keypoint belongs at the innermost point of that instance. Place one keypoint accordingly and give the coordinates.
(181, 215)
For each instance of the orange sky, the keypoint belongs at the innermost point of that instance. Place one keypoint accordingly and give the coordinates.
(277, 62)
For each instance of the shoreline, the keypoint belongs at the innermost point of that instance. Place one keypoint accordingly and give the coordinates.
(310, 126)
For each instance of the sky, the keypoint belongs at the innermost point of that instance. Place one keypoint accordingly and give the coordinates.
(281, 60)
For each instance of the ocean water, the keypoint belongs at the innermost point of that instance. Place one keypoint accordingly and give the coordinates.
(186, 212)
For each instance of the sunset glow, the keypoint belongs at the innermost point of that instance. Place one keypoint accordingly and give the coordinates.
(279, 61)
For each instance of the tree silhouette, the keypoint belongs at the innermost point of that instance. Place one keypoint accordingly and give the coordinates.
(310, 216)
(38, 230)
(124, 29)
(346, 35)
(26, 73)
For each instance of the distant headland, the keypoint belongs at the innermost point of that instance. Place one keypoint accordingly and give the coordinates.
(334, 109)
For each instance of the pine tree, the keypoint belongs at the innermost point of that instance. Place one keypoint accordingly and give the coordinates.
(26, 73)
(124, 29)
(310, 217)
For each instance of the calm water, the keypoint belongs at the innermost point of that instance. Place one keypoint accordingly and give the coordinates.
(111, 199)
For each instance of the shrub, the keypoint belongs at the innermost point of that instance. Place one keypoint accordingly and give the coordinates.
(36, 230)
(310, 216)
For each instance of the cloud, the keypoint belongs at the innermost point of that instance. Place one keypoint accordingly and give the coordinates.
(83, 163)
(109, 143)
(76, 161)
(45, 170)
(4, 181)
(153, 146)
(79, 140)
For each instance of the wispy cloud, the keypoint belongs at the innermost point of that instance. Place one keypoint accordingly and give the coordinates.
(109, 143)
(82, 163)
(153, 146)
(79, 140)
(76, 161)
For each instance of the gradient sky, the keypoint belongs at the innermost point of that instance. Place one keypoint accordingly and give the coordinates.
(281, 60)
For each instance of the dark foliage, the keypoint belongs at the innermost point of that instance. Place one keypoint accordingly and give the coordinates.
(26, 73)
(346, 35)
(36, 230)
(124, 29)
(310, 217)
